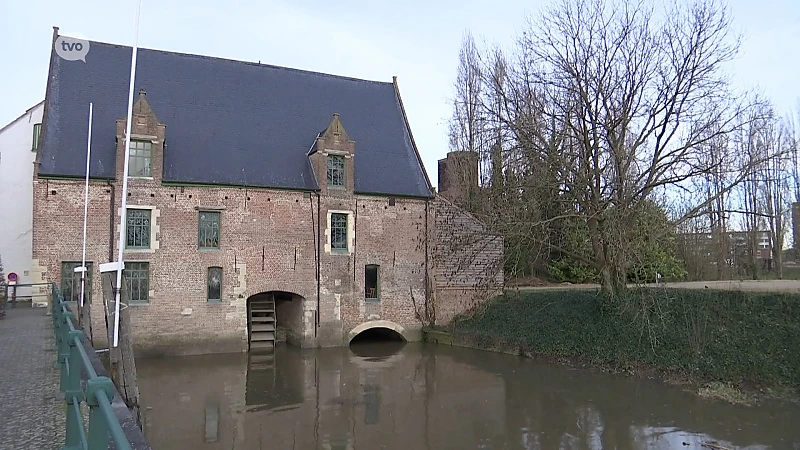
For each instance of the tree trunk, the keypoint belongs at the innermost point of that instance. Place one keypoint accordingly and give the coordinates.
(121, 361)
(777, 251)
(607, 286)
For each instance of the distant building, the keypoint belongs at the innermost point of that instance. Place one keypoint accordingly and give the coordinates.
(19, 142)
(712, 256)
(458, 176)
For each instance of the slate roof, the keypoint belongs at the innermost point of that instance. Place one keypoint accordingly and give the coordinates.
(227, 122)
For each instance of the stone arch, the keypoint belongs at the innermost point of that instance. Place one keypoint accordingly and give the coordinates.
(399, 329)
(287, 321)
(261, 287)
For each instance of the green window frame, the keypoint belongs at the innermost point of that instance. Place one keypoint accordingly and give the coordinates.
(137, 279)
(338, 232)
(140, 160)
(208, 229)
(137, 229)
(335, 171)
(37, 134)
(71, 281)
(214, 285)
(372, 282)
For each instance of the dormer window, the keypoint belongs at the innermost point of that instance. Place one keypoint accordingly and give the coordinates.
(139, 164)
(335, 171)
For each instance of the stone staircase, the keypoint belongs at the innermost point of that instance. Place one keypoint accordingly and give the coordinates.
(262, 322)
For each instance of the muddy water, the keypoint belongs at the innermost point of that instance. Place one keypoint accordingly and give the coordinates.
(415, 397)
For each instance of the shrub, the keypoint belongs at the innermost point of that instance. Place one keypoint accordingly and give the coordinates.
(714, 335)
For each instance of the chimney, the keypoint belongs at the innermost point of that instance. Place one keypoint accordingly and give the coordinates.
(458, 176)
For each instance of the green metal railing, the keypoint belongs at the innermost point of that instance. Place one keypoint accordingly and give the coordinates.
(98, 392)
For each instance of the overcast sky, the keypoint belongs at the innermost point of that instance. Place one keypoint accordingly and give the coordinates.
(415, 40)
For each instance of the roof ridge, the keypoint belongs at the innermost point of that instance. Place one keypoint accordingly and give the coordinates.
(239, 61)
(27, 111)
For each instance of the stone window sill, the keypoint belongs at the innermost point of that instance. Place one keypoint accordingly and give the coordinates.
(140, 250)
(372, 300)
(139, 303)
(214, 301)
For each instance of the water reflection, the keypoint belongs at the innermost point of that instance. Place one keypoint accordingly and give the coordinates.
(413, 396)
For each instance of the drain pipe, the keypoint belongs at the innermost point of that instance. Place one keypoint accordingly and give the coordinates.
(111, 206)
(427, 269)
(319, 257)
(316, 255)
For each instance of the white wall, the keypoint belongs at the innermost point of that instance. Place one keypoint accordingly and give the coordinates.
(16, 195)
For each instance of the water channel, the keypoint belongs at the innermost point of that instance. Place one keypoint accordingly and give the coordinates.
(426, 396)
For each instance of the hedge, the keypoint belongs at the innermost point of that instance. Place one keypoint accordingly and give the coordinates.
(711, 335)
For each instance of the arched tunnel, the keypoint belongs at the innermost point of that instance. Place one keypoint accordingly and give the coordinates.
(377, 342)
(377, 334)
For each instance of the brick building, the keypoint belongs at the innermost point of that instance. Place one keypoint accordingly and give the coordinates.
(248, 182)
(732, 254)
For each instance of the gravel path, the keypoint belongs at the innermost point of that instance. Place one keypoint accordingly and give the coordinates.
(31, 407)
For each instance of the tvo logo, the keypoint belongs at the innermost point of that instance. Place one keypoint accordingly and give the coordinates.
(72, 49)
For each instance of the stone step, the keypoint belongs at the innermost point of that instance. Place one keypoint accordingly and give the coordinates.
(256, 319)
(263, 327)
(262, 336)
(262, 302)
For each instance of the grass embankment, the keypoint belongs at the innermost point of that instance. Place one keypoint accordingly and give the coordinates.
(722, 343)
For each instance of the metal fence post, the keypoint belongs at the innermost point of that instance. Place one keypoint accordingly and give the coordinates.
(98, 425)
(63, 348)
(73, 394)
(55, 306)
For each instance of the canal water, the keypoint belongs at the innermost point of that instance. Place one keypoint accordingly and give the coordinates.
(424, 396)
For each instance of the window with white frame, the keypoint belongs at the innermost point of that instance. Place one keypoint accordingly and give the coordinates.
(139, 163)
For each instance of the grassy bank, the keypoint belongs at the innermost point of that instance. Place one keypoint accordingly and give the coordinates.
(713, 339)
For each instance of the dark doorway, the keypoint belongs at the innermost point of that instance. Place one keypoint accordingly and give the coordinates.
(377, 335)
(275, 316)
(377, 343)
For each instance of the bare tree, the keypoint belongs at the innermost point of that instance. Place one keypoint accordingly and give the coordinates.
(793, 147)
(777, 176)
(751, 146)
(467, 125)
(603, 106)
(639, 99)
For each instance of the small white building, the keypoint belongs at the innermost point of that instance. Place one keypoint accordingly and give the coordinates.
(19, 142)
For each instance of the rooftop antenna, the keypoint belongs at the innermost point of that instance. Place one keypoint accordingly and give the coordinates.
(124, 215)
(82, 268)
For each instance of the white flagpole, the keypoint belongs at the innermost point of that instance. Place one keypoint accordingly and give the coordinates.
(124, 207)
(86, 205)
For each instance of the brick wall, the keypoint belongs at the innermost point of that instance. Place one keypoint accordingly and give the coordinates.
(269, 233)
(467, 261)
